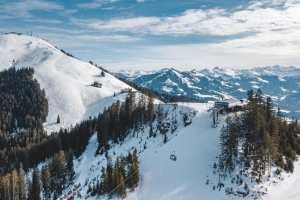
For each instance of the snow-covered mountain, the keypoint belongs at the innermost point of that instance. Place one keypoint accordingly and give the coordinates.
(281, 83)
(66, 80)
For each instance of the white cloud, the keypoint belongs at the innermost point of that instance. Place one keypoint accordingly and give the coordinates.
(50, 21)
(55, 30)
(109, 8)
(117, 24)
(95, 4)
(21, 9)
(111, 38)
(235, 54)
(256, 5)
(214, 21)
(272, 27)
(69, 12)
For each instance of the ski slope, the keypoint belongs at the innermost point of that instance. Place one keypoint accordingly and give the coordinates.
(66, 80)
(196, 147)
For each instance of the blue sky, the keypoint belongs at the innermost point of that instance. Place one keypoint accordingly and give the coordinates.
(155, 34)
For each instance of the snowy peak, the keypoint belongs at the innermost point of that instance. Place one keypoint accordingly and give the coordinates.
(281, 83)
(66, 80)
(217, 72)
(131, 74)
(277, 71)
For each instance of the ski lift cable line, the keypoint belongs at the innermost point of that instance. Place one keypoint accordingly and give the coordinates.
(120, 184)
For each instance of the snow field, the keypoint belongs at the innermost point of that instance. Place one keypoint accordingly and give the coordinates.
(66, 80)
(160, 177)
(196, 147)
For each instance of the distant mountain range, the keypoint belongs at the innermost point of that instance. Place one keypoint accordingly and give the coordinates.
(281, 83)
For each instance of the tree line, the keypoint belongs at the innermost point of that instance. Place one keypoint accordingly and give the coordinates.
(115, 122)
(56, 174)
(23, 109)
(24, 143)
(118, 177)
(259, 137)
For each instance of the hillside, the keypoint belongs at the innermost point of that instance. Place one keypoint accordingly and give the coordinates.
(196, 147)
(66, 80)
(281, 83)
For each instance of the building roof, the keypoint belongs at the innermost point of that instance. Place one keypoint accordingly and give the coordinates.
(231, 102)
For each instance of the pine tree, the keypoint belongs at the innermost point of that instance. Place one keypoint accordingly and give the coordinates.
(151, 130)
(58, 119)
(58, 167)
(160, 112)
(174, 118)
(22, 185)
(108, 177)
(129, 158)
(36, 185)
(5, 187)
(29, 187)
(165, 138)
(250, 95)
(108, 182)
(70, 165)
(258, 96)
(122, 187)
(46, 182)
(290, 165)
(134, 172)
(150, 106)
(15, 184)
(227, 154)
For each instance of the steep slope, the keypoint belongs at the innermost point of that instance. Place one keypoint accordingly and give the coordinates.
(196, 147)
(281, 83)
(66, 80)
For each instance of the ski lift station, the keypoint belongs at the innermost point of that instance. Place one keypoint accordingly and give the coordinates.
(225, 106)
(229, 105)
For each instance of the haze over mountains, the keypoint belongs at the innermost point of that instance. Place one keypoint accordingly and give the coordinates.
(281, 83)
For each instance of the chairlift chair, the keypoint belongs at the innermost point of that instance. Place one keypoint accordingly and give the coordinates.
(173, 156)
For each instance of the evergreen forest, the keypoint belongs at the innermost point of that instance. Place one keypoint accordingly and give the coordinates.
(260, 137)
(117, 177)
(25, 144)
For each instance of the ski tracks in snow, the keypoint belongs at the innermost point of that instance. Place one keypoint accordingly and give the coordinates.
(5, 45)
(169, 195)
(5, 48)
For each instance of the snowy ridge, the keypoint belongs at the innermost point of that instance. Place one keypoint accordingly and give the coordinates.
(131, 74)
(209, 84)
(277, 70)
(66, 80)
